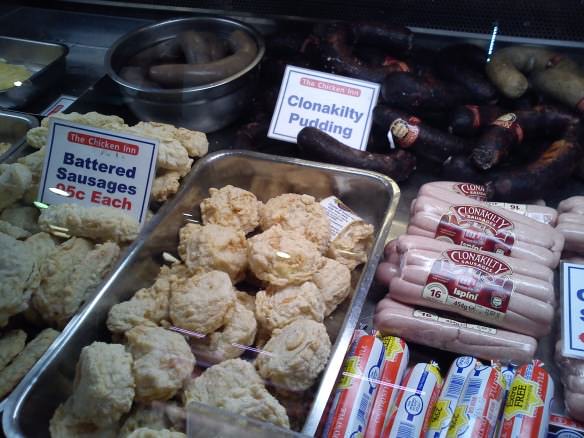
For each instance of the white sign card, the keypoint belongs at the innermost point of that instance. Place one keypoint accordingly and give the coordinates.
(59, 105)
(96, 167)
(340, 106)
(573, 310)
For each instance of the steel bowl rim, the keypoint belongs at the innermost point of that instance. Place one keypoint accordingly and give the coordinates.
(132, 88)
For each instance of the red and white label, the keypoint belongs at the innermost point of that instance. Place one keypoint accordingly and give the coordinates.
(475, 191)
(404, 132)
(478, 228)
(96, 167)
(472, 281)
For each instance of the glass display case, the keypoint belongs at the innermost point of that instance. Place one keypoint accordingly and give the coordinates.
(234, 284)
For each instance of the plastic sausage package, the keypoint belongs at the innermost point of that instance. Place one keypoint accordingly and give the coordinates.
(472, 399)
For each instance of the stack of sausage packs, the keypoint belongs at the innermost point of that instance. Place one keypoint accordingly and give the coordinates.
(489, 266)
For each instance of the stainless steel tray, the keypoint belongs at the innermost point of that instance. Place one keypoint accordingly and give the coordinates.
(45, 60)
(13, 128)
(373, 196)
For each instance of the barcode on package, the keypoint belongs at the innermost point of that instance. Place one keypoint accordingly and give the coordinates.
(363, 408)
(472, 390)
(406, 430)
(454, 388)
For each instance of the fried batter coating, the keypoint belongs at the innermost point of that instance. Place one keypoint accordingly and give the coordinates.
(66, 425)
(96, 223)
(231, 207)
(281, 257)
(234, 385)
(69, 275)
(300, 213)
(194, 142)
(104, 384)
(334, 282)
(20, 277)
(162, 362)
(213, 247)
(351, 246)
(25, 360)
(15, 179)
(11, 343)
(165, 184)
(278, 308)
(295, 355)
(230, 341)
(203, 303)
(22, 216)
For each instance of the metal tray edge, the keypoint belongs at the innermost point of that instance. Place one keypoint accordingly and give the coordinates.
(13, 402)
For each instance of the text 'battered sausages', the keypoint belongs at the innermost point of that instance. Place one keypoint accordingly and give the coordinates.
(319, 145)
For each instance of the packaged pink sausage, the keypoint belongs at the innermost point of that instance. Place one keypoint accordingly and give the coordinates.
(497, 290)
(477, 411)
(396, 360)
(527, 409)
(539, 213)
(415, 402)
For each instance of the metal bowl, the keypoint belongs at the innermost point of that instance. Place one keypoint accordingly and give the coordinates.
(205, 108)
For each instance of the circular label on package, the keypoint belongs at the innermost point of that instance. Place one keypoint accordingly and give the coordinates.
(464, 361)
(414, 404)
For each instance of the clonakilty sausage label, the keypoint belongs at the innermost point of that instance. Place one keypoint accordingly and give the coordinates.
(477, 228)
(475, 191)
(472, 281)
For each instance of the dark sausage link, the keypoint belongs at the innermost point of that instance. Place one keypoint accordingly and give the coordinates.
(165, 51)
(195, 47)
(410, 92)
(137, 76)
(396, 40)
(410, 132)
(461, 168)
(218, 48)
(551, 169)
(189, 75)
(465, 64)
(468, 120)
(510, 129)
(338, 57)
(316, 144)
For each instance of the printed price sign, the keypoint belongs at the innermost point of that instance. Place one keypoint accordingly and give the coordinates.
(572, 310)
(340, 106)
(96, 167)
(59, 105)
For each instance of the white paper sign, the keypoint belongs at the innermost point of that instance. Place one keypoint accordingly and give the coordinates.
(96, 167)
(59, 105)
(573, 310)
(340, 106)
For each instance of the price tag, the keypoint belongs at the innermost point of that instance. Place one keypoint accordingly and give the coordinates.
(96, 167)
(340, 106)
(572, 282)
(59, 105)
